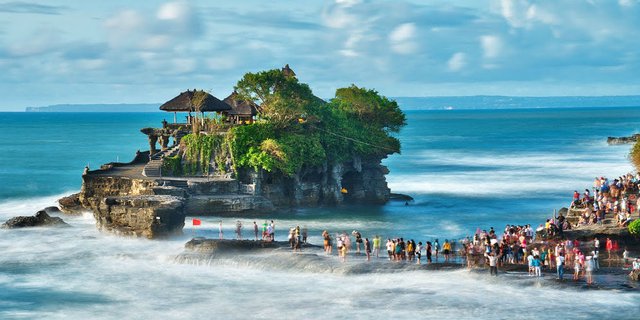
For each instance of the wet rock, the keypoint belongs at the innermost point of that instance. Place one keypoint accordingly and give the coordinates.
(41, 219)
(71, 204)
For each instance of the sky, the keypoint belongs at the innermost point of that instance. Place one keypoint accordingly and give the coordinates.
(75, 51)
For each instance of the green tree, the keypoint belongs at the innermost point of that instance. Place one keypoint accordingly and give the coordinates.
(282, 99)
(370, 107)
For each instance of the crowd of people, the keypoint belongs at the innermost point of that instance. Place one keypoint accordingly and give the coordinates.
(617, 199)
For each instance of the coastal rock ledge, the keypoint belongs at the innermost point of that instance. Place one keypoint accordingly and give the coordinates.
(149, 216)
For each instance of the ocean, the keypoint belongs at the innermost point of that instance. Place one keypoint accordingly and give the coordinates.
(466, 169)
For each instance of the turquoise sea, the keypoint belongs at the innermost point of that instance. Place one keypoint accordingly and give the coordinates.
(466, 169)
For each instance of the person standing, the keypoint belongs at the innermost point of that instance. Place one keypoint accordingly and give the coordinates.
(390, 248)
(220, 235)
(376, 246)
(446, 249)
(272, 234)
(493, 263)
(418, 252)
(589, 269)
(239, 230)
(560, 265)
(436, 248)
(255, 230)
(596, 264)
(427, 251)
(367, 248)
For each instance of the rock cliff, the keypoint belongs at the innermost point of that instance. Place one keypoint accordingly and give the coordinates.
(126, 202)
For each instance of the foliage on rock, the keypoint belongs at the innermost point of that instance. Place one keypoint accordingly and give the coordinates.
(297, 130)
(634, 228)
(202, 151)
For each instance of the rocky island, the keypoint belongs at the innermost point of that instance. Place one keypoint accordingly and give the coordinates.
(269, 144)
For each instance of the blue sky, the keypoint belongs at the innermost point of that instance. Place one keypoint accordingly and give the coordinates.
(116, 51)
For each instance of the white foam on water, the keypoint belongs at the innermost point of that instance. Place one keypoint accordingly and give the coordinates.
(81, 273)
(490, 174)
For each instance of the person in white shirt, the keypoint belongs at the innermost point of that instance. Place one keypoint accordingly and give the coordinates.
(493, 263)
(560, 266)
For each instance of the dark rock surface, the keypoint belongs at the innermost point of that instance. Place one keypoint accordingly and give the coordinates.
(40, 219)
(71, 204)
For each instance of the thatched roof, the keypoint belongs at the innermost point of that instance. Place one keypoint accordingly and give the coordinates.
(195, 101)
(240, 107)
(288, 72)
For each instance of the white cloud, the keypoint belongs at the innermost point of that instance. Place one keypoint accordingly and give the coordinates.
(627, 3)
(457, 61)
(402, 38)
(173, 11)
(491, 46)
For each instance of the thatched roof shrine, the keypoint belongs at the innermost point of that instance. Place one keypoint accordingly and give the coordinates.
(195, 101)
(240, 106)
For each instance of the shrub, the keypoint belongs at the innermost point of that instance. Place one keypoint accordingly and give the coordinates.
(634, 228)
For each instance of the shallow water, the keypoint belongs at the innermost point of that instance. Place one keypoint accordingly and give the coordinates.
(465, 169)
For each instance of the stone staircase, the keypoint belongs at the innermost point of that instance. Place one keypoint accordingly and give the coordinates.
(154, 167)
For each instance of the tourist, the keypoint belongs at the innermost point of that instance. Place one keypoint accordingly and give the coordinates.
(297, 238)
(305, 233)
(530, 265)
(410, 249)
(325, 241)
(493, 263)
(418, 252)
(609, 247)
(589, 266)
(536, 266)
(596, 264)
(272, 234)
(220, 235)
(428, 250)
(376, 245)
(346, 242)
(446, 249)
(398, 250)
(358, 236)
(436, 248)
(339, 245)
(367, 248)
(390, 248)
(576, 268)
(255, 230)
(560, 265)
(625, 257)
(596, 244)
(238, 230)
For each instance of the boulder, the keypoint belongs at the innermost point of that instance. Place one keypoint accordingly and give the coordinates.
(41, 219)
(71, 204)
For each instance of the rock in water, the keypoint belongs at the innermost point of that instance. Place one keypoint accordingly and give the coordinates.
(41, 219)
(71, 204)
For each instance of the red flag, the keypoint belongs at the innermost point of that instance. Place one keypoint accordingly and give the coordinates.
(196, 222)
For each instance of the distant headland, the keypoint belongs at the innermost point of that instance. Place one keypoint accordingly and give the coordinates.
(121, 107)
